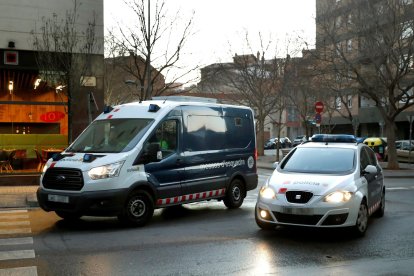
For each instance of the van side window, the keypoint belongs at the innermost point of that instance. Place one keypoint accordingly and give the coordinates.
(238, 125)
(162, 143)
(205, 133)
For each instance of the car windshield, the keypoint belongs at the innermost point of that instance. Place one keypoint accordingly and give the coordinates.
(320, 160)
(112, 135)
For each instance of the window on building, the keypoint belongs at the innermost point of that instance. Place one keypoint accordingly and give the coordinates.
(338, 102)
(406, 2)
(349, 20)
(408, 96)
(338, 21)
(407, 29)
(349, 45)
(406, 61)
(349, 101)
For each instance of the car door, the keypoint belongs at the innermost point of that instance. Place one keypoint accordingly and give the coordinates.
(164, 169)
(375, 180)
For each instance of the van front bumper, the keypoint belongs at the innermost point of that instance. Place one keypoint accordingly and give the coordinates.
(98, 203)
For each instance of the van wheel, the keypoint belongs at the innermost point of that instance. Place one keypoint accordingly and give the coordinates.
(138, 209)
(68, 215)
(381, 210)
(361, 223)
(235, 194)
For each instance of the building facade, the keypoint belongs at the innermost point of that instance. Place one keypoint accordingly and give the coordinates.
(35, 108)
(367, 47)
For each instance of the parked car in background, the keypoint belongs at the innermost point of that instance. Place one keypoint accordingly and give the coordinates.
(405, 152)
(377, 144)
(299, 140)
(272, 143)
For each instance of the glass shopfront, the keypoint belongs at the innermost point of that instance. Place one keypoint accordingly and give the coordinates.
(33, 121)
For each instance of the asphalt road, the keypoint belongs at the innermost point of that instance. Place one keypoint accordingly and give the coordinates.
(207, 239)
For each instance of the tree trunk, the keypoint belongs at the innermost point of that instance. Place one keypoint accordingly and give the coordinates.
(390, 128)
(260, 136)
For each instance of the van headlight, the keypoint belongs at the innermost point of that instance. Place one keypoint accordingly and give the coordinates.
(267, 192)
(107, 171)
(338, 196)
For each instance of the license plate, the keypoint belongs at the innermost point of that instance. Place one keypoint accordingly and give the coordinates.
(58, 198)
(297, 211)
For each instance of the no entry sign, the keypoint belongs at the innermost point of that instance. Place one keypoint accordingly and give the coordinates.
(318, 107)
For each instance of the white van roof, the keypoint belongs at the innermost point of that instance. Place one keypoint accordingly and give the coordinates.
(152, 109)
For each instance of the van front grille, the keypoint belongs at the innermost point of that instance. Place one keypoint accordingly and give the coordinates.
(63, 179)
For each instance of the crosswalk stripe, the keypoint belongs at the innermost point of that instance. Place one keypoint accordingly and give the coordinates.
(21, 271)
(15, 231)
(17, 254)
(16, 222)
(12, 211)
(16, 241)
(10, 217)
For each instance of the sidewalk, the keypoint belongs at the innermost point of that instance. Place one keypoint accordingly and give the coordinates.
(25, 196)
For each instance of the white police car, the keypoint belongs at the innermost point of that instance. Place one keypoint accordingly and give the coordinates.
(331, 181)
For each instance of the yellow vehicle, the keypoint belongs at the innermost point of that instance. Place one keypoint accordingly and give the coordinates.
(377, 144)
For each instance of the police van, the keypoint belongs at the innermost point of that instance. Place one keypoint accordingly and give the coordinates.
(141, 156)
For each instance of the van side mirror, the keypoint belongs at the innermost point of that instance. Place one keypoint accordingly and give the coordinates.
(275, 165)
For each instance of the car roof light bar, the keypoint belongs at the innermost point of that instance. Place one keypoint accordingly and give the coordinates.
(334, 138)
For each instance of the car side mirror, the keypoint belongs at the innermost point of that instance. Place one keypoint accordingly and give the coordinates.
(275, 165)
(370, 169)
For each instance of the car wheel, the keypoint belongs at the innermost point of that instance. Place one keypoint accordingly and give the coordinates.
(262, 224)
(361, 223)
(68, 215)
(235, 194)
(138, 209)
(381, 210)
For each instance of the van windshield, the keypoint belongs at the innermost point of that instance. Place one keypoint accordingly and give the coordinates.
(112, 135)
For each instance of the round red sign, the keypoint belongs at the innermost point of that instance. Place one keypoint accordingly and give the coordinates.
(319, 107)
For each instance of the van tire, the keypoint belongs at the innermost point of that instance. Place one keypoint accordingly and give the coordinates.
(235, 194)
(138, 209)
(68, 215)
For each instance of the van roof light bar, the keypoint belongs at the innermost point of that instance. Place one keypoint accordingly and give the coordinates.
(153, 108)
(107, 109)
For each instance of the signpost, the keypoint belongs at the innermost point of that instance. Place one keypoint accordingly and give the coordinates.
(318, 117)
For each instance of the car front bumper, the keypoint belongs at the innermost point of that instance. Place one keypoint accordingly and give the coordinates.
(313, 214)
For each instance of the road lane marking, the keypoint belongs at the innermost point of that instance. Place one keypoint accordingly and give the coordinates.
(15, 231)
(12, 211)
(17, 254)
(14, 223)
(399, 188)
(10, 217)
(16, 241)
(20, 271)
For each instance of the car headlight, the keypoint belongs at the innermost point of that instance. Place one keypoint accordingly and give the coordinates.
(267, 192)
(111, 170)
(338, 196)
